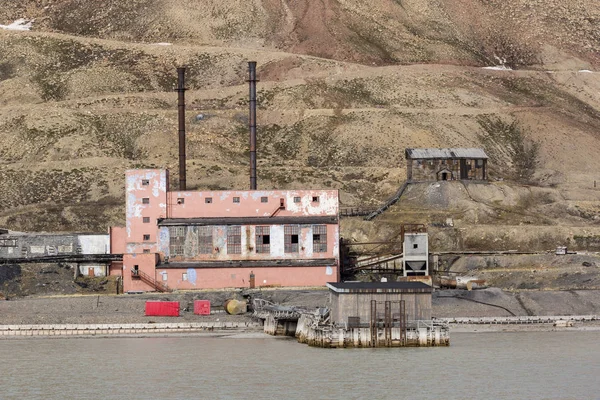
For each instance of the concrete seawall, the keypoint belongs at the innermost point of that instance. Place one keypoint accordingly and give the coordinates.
(123, 329)
(550, 319)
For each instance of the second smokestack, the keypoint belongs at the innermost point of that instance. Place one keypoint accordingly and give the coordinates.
(181, 109)
(252, 122)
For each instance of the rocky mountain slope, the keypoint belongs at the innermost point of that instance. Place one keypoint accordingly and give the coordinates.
(345, 86)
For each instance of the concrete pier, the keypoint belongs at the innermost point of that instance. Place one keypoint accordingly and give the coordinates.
(415, 334)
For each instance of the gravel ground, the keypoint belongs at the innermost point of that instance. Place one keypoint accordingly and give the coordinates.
(130, 308)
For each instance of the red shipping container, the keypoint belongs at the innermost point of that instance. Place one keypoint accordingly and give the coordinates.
(162, 308)
(202, 307)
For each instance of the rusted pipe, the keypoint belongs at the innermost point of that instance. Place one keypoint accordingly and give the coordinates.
(252, 122)
(181, 109)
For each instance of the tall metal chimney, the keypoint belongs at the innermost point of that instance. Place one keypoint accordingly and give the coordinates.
(252, 122)
(181, 109)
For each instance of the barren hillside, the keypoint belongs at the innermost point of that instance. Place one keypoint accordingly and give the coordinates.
(344, 87)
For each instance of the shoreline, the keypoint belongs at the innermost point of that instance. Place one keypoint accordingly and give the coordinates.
(240, 330)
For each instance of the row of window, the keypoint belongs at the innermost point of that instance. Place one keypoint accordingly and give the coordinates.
(234, 239)
(209, 200)
(478, 163)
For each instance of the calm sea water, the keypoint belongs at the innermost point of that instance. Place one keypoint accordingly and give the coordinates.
(536, 365)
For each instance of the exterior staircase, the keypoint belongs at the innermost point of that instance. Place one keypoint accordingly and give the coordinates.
(149, 280)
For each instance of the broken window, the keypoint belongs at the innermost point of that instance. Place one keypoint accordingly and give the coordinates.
(263, 239)
(180, 200)
(291, 238)
(208, 200)
(146, 237)
(205, 239)
(176, 240)
(8, 243)
(145, 182)
(297, 199)
(234, 240)
(315, 199)
(146, 200)
(264, 199)
(146, 220)
(236, 199)
(319, 238)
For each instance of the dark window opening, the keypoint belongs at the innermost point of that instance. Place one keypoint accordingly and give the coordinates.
(145, 182)
(146, 237)
(291, 238)
(208, 200)
(234, 240)
(146, 200)
(263, 239)
(205, 239)
(176, 240)
(146, 220)
(319, 238)
(264, 199)
(236, 199)
(296, 199)
(315, 199)
(180, 200)
(415, 246)
(146, 251)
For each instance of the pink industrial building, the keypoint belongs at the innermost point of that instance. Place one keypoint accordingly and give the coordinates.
(224, 239)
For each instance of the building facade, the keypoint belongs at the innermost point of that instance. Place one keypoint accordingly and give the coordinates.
(359, 303)
(76, 248)
(446, 164)
(224, 239)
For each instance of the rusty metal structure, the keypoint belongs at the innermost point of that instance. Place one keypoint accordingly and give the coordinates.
(252, 122)
(181, 114)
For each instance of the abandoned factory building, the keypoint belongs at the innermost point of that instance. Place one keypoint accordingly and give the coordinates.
(445, 164)
(219, 239)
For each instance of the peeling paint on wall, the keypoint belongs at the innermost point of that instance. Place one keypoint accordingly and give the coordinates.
(191, 276)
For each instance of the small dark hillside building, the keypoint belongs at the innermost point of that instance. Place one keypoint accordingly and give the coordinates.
(446, 164)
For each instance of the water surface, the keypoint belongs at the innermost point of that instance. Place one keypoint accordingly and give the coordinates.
(530, 365)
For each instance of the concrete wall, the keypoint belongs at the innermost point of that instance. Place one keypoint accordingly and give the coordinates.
(416, 252)
(42, 244)
(146, 197)
(93, 269)
(216, 278)
(146, 263)
(432, 169)
(257, 203)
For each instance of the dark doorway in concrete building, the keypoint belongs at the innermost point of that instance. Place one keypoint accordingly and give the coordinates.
(444, 175)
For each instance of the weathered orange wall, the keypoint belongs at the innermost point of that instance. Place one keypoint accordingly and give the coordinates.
(118, 237)
(216, 278)
(146, 263)
(194, 203)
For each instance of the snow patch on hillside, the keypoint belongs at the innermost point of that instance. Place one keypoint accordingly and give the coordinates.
(19, 25)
